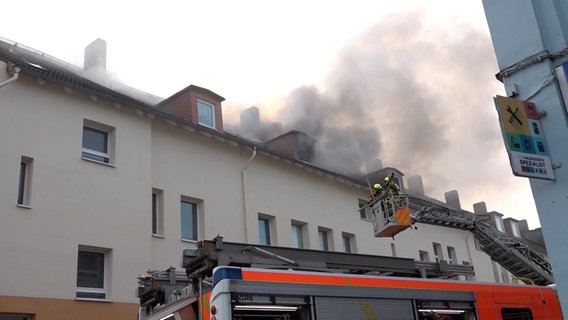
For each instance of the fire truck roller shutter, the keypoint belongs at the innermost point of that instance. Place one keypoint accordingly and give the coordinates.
(335, 308)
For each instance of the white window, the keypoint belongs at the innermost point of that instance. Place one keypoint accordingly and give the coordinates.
(189, 223)
(424, 256)
(206, 114)
(515, 229)
(264, 229)
(297, 234)
(499, 223)
(98, 142)
(348, 242)
(157, 212)
(468, 278)
(452, 257)
(366, 214)
(92, 279)
(25, 183)
(438, 251)
(323, 235)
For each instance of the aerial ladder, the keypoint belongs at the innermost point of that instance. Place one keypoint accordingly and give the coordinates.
(163, 289)
(393, 216)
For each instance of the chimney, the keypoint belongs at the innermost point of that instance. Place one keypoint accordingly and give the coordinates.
(95, 56)
(480, 208)
(453, 199)
(250, 121)
(295, 144)
(198, 105)
(415, 186)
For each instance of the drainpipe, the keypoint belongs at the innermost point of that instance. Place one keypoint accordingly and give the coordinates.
(15, 71)
(245, 208)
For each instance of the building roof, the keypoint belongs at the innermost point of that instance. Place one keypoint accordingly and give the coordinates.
(40, 65)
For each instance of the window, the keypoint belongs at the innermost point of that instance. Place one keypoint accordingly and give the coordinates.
(424, 256)
(515, 229)
(438, 251)
(188, 220)
(516, 314)
(157, 212)
(499, 223)
(452, 258)
(468, 278)
(206, 113)
(323, 235)
(97, 142)
(264, 230)
(393, 249)
(297, 234)
(348, 240)
(365, 213)
(92, 273)
(24, 186)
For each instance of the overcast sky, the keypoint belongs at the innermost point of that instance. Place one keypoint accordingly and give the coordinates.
(410, 82)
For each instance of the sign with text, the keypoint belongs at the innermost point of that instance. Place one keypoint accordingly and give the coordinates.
(524, 139)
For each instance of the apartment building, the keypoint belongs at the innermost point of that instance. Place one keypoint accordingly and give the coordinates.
(100, 184)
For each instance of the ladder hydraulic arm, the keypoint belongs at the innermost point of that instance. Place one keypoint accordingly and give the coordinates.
(510, 252)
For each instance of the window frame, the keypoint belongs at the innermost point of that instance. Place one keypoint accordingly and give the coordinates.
(194, 218)
(157, 213)
(264, 230)
(25, 182)
(104, 290)
(324, 236)
(297, 234)
(348, 240)
(94, 155)
(452, 255)
(438, 253)
(200, 112)
(499, 224)
(423, 255)
(365, 214)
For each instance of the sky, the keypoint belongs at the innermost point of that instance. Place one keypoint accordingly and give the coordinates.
(409, 82)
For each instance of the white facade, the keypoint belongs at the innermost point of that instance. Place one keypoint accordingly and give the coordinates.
(76, 204)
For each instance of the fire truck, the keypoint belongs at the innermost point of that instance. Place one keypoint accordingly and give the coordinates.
(236, 281)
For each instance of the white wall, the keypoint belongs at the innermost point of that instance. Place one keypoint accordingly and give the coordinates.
(77, 202)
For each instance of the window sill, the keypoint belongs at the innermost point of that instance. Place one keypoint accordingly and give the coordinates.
(188, 241)
(93, 300)
(23, 206)
(99, 162)
(158, 236)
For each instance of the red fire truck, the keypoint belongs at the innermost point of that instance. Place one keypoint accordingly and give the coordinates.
(234, 281)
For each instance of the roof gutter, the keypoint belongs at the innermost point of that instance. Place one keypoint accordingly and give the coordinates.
(15, 71)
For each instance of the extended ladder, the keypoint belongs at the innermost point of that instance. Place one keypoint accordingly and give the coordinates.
(508, 251)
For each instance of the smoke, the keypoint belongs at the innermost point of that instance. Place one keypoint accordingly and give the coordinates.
(417, 96)
(402, 92)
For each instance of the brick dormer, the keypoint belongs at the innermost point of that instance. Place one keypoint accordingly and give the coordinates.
(296, 144)
(188, 103)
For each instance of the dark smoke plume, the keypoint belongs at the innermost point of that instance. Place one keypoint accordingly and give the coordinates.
(417, 96)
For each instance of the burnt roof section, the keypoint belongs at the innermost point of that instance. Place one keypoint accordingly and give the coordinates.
(40, 65)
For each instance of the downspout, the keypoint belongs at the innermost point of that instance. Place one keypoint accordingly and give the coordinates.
(15, 71)
(245, 207)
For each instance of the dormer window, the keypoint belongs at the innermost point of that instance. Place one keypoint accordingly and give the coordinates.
(515, 229)
(206, 113)
(499, 223)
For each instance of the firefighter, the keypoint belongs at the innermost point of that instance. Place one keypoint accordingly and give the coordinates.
(378, 190)
(391, 188)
